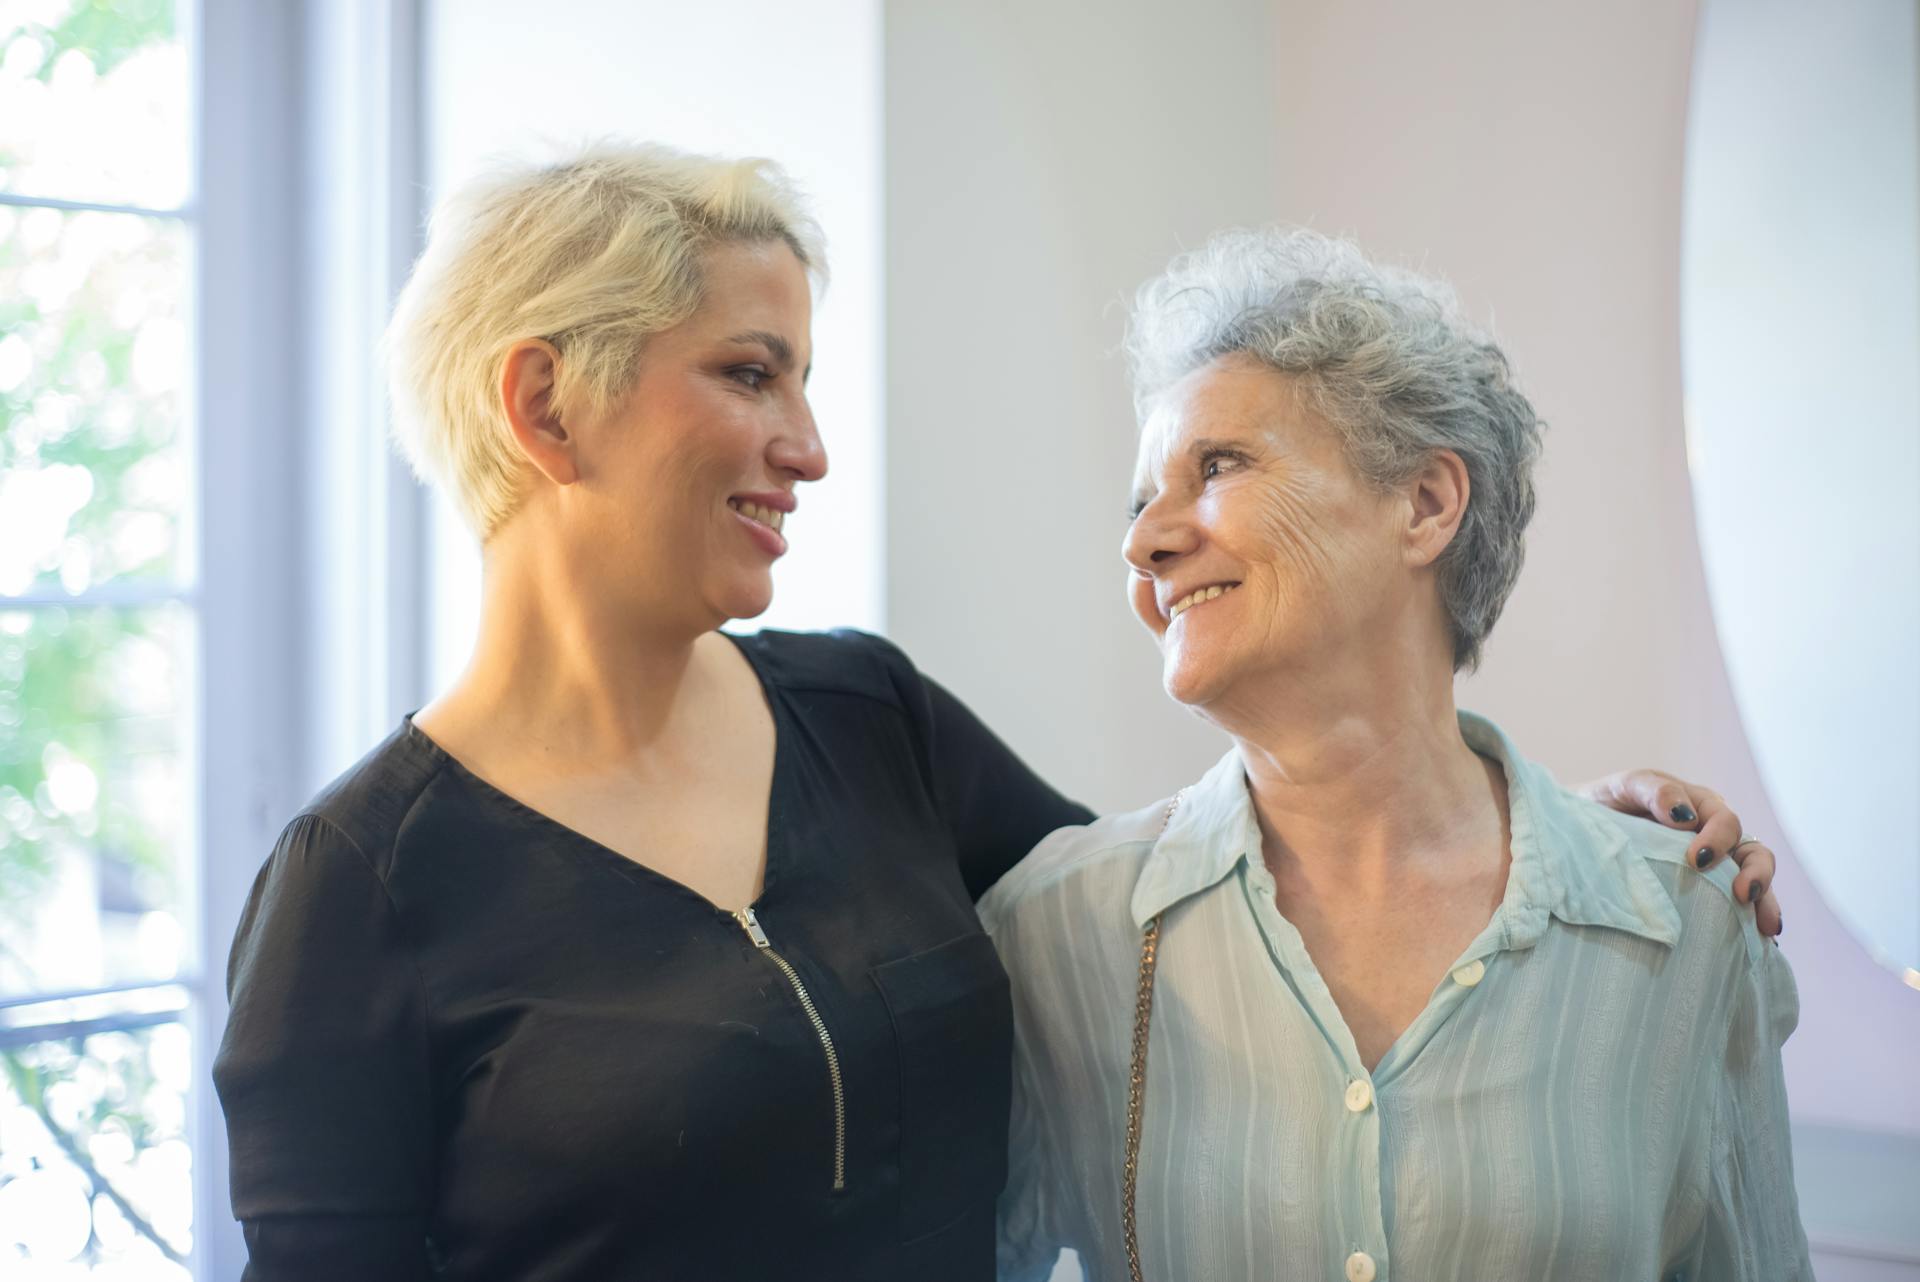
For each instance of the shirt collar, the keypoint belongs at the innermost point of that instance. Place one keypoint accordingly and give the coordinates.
(1211, 830)
(1569, 861)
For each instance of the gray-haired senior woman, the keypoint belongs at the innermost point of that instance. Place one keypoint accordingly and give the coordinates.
(1376, 997)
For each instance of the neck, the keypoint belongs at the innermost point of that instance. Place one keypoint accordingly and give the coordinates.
(1360, 774)
(560, 666)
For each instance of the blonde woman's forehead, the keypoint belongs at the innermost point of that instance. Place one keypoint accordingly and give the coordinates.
(760, 293)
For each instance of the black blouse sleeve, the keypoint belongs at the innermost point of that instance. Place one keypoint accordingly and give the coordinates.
(322, 1071)
(997, 808)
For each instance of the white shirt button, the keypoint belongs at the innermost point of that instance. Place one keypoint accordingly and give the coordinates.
(1360, 1267)
(1470, 974)
(1359, 1096)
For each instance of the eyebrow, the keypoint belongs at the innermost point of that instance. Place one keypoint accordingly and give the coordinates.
(777, 344)
(1199, 446)
(1206, 444)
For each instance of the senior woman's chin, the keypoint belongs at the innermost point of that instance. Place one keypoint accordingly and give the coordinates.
(1196, 671)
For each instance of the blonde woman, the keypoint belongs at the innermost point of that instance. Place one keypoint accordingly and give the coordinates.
(643, 951)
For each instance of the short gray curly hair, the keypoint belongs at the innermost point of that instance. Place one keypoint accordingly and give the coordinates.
(1386, 357)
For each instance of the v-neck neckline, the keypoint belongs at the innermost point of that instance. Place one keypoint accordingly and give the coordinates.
(1300, 974)
(628, 867)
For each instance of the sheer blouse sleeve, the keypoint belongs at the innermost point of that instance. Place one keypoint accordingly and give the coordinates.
(322, 1071)
(996, 806)
(1753, 1227)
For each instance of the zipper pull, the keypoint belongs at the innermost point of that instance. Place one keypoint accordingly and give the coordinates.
(751, 925)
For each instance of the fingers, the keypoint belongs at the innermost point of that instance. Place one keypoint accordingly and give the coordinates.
(1754, 885)
(1677, 804)
(1719, 829)
(1647, 793)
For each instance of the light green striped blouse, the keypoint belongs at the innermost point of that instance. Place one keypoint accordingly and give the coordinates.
(1594, 1093)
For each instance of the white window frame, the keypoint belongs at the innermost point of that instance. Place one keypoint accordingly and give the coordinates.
(312, 620)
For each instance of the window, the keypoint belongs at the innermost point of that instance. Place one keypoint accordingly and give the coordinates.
(98, 638)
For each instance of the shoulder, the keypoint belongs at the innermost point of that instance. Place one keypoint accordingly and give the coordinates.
(842, 661)
(364, 810)
(1718, 934)
(1089, 868)
(1708, 913)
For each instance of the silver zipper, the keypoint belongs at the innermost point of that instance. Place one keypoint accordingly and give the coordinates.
(751, 925)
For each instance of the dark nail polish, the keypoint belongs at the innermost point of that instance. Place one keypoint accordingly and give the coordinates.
(1703, 857)
(1682, 814)
(1754, 892)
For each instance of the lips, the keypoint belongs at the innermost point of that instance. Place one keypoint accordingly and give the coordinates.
(761, 517)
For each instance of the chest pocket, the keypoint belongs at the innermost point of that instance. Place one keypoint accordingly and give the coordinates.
(952, 1016)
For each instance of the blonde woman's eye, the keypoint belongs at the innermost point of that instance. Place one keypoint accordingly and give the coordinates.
(749, 376)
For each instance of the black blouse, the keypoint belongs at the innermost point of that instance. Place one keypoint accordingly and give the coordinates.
(468, 1042)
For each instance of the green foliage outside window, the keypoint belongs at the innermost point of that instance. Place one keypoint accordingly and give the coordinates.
(95, 499)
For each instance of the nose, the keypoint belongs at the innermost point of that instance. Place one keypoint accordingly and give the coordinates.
(797, 449)
(1160, 534)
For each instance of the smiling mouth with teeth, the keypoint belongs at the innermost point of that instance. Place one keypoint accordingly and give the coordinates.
(754, 512)
(1199, 596)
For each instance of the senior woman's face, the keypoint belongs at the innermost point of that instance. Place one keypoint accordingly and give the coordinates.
(698, 468)
(1256, 549)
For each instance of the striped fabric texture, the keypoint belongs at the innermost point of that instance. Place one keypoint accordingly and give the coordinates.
(1593, 1092)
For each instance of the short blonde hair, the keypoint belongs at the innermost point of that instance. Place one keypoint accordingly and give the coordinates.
(592, 254)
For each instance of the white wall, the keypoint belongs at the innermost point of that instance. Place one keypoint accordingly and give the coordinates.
(1041, 161)
(799, 83)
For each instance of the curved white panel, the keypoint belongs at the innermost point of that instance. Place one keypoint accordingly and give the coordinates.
(1801, 325)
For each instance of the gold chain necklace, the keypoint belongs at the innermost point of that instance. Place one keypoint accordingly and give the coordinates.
(1137, 1075)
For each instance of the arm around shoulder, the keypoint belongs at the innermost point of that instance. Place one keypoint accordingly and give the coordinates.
(995, 805)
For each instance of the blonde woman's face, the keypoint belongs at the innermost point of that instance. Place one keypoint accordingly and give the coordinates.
(1255, 549)
(696, 476)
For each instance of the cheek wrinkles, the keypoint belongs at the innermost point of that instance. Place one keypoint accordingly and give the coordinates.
(1297, 543)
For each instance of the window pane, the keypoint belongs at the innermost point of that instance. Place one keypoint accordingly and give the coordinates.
(93, 476)
(94, 790)
(94, 1161)
(93, 101)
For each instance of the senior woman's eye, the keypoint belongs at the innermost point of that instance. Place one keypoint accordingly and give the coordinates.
(1213, 462)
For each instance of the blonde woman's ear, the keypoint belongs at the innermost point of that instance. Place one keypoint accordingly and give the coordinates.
(527, 381)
